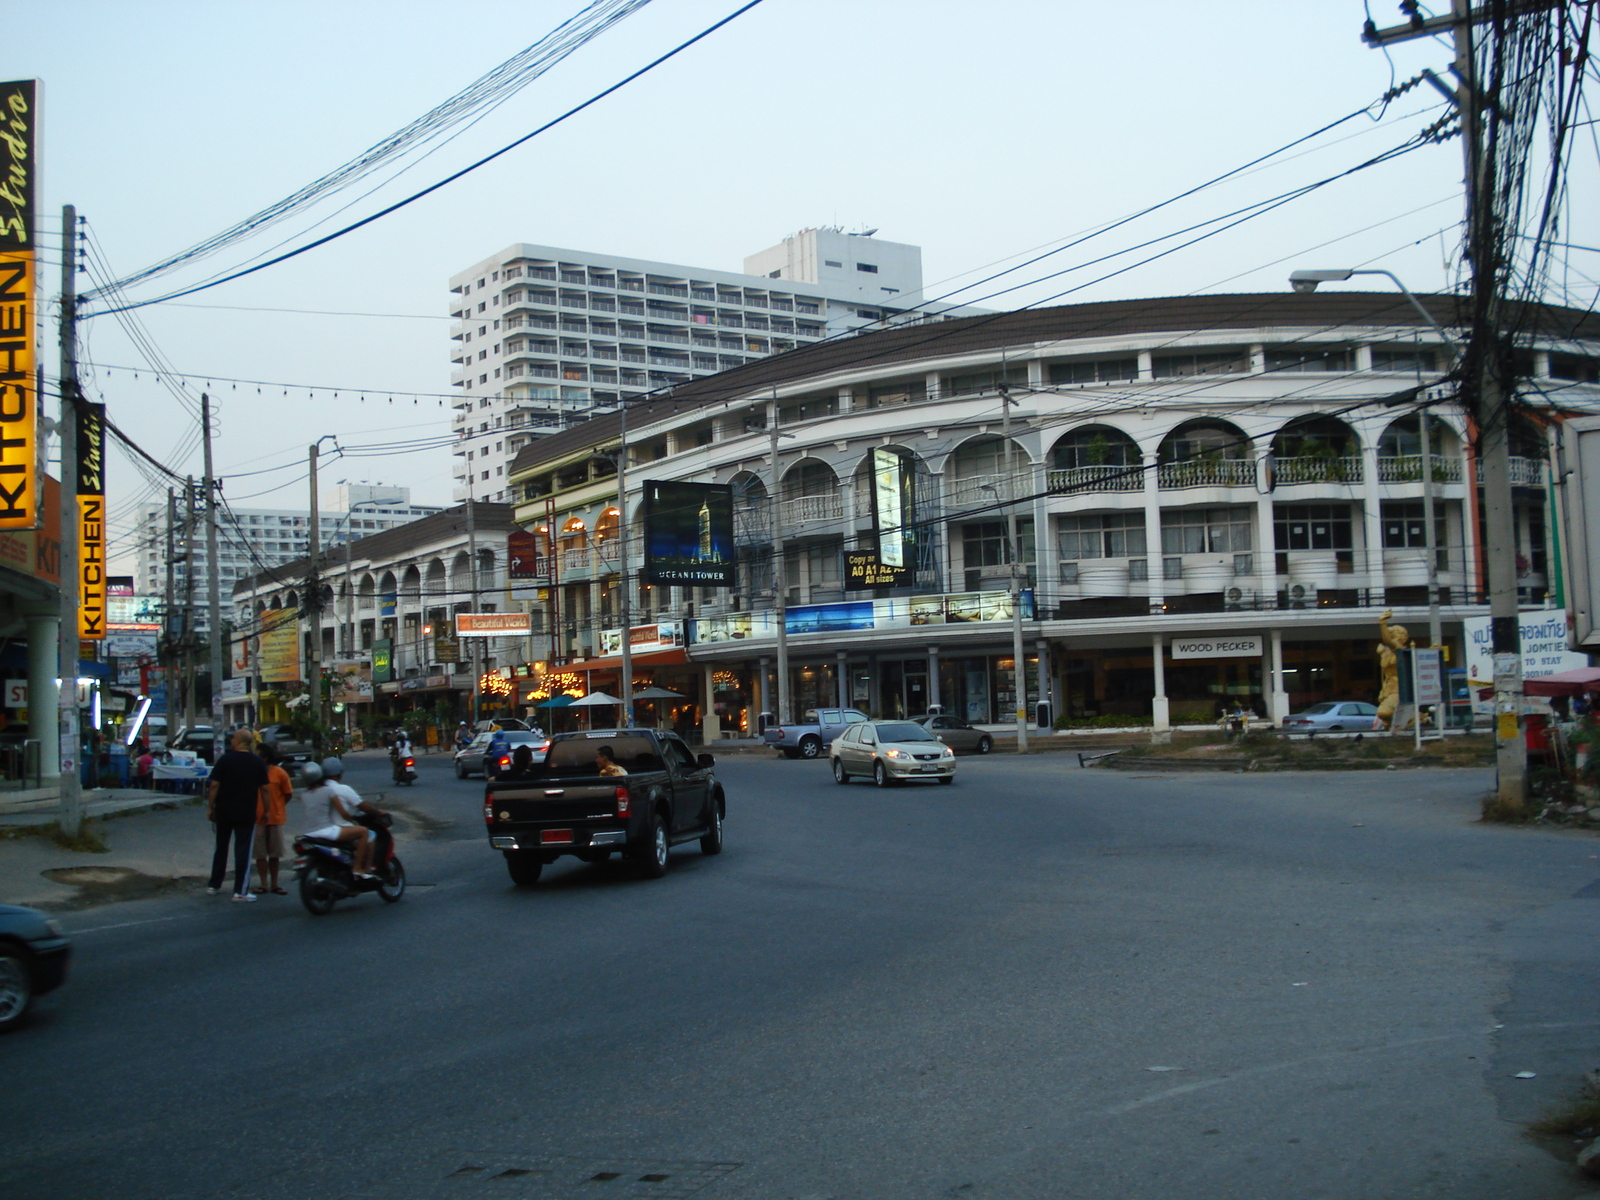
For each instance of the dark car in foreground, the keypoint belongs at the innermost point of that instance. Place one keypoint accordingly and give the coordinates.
(33, 960)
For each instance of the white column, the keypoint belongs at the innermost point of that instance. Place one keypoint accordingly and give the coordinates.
(1152, 532)
(933, 677)
(1372, 521)
(43, 719)
(1277, 697)
(1160, 720)
(842, 679)
(711, 727)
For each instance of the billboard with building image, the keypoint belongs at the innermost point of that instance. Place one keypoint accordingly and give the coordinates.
(688, 534)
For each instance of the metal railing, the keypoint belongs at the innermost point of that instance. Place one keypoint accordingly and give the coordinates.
(1226, 472)
(1317, 470)
(1096, 479)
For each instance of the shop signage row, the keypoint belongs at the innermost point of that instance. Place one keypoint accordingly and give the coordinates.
(643, 639)
(892, 612)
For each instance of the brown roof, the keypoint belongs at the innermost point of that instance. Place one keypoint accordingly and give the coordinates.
(965, 335)
(392, 543)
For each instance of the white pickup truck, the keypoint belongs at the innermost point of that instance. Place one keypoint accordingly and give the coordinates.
(811, 736)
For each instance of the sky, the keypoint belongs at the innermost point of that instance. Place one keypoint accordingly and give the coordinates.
(983, 132)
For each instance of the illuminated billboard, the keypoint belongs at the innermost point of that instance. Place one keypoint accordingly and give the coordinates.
(688, 534)
(893, 510)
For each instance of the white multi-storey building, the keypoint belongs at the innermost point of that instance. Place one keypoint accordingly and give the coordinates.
(253, 540)
(547, 336)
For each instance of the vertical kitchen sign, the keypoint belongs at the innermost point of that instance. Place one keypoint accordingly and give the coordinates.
(19, 350)
(91, 522)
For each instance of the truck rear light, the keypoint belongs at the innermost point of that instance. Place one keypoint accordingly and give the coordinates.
(622, 802)
(488, 813)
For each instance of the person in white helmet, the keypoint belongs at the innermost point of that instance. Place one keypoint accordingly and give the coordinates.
(331, 807)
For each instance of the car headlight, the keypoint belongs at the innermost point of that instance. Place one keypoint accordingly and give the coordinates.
(896, 754)
(948, 753)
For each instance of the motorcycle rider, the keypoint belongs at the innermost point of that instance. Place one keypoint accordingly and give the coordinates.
(499, 747)
(399, 752)
(330, 809)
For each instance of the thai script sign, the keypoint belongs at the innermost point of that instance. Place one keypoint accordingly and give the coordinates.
(1543, 635)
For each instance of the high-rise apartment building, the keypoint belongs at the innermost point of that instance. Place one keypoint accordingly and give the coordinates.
(253, 540)
(545, 337)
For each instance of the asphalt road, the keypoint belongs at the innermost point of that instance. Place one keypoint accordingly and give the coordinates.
(1039, 982)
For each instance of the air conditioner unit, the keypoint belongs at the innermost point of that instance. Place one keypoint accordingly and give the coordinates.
(1239, 599)
(1302, 595)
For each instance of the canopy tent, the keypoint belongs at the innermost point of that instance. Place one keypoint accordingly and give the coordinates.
(1567, 683)
(595, 698)
(659, 693)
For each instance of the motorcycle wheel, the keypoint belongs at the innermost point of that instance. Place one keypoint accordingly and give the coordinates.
(394, 886)
(317, 899)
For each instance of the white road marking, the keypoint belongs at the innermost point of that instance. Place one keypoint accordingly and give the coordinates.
(120, 925)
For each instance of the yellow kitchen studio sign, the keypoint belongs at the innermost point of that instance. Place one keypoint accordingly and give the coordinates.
(91, 522)
(19, 484)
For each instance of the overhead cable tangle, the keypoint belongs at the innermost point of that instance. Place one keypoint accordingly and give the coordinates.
(449, 179)
(504, 81)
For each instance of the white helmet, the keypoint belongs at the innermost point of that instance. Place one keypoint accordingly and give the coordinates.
(311, 774)
(332, 768)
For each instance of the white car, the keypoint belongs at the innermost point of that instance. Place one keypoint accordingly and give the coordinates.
(890, 752)
(1332, 716)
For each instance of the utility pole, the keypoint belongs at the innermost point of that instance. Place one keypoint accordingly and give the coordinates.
(169, 644)
(1486, 391)
(780, 615)
(1019, 690)
(213, 584)
(314, 593)
(472, 575)
(189, 709)
(67, 633)
(622, 532)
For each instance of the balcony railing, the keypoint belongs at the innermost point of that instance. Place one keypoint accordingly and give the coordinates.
(1317, 470)
(1525, 472)
(1407, 468)
(1227, 472)
(576, 562)
(979, 489)
(1097, 479)
(801, 509)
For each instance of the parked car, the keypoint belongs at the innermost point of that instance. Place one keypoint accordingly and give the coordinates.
(957, 734)
(891, 752)
(491, 724)
(33, 960)
(292, 752)
(667, 796)
(200, 740)
(1332, 716)
(814, 733)
(471, 760)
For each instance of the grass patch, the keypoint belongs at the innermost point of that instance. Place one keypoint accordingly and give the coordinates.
(1312, 753)
(1579, 1118)
(1504, 812)
(88, 840)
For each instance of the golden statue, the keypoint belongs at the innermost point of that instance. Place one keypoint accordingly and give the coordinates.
(1390, 639)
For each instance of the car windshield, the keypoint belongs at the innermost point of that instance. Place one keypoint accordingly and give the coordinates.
(1317, 710)
(906, 732)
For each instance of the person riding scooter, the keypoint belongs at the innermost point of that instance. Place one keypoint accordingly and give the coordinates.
(331, 807)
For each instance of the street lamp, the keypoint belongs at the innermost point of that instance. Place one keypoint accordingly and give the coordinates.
(1306, 281)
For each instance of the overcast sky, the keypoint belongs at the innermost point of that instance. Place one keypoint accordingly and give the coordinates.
(978, 131)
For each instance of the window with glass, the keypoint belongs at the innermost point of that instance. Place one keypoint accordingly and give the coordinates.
(912, 391)
(1234, 361)
(1096, 446)
(1404, 527)
(1095, 370)
(1410, 359)
(1101, 535)
(985, 381)
(1206, 530)
(1312, 526)
(1308, 358)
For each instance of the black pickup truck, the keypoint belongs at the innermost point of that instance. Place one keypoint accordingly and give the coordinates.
(563, 805)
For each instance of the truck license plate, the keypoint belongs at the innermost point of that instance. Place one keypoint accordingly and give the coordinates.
(556, 835)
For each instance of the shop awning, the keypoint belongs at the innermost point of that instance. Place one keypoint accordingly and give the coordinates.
(676, 657)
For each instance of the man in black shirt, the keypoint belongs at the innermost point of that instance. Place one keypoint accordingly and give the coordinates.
(236, 790)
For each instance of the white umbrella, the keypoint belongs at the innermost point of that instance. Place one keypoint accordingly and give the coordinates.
(594, 698)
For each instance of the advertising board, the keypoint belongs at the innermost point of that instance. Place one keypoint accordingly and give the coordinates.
(688, 534)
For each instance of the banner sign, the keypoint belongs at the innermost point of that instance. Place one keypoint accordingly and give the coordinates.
(130, 645)
(894, 612)
(864, 570)
(688, 534)
(92, 593)
(643, 639)
(280, 645)
(1543, 637)
(893, 493)
(19, 401)
(526, 554)
(1248, 646)
(352, 683)
(237, 688)
(446, 643)
(494, 624)
(35, 552)
(383, 660)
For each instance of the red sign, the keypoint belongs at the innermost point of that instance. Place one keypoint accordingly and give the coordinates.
(525, 552)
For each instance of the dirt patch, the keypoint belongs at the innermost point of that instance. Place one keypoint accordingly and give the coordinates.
(413, 822)
(107, 885)
(1274, 752)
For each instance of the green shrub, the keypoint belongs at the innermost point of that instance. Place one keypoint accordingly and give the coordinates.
(1103, 721)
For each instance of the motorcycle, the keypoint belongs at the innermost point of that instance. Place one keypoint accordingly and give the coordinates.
(325, 868)
(405, 769)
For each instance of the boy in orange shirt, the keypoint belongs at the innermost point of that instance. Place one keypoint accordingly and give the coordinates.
(272, 814)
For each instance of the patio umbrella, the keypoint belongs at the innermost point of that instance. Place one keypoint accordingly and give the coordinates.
(595, 698)
(1567, 683)
(659, 693)
(556, 702)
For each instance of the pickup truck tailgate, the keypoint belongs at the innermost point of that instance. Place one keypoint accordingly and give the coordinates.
(553, 800)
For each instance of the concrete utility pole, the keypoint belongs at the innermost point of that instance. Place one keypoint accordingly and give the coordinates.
(187, 670)
(67, 635)
(1489, 405)
(213, 569)
(313, 600)
(169, 643)
(472, 575)
(1019, 690)
(622, 532)
(780, 615)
